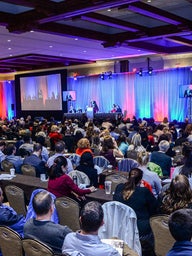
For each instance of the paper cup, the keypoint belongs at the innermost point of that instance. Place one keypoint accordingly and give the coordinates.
(12, 171)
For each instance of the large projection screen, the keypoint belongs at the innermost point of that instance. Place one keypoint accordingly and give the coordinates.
(41, 92)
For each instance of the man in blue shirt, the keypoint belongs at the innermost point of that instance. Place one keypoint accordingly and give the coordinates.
(180, 226)
(86, 241)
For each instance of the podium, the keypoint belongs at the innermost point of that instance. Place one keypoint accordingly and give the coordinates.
(90, 113)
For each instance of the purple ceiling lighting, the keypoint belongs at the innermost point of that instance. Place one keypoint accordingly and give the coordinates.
(153, 15)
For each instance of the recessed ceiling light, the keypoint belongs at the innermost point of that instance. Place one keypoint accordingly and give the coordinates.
(84, 51)
(9, 48)
(76, 39)
(109, 10)
(148, 1)
(10, 55)
(31, 31)
(9, 40)
(50, 46)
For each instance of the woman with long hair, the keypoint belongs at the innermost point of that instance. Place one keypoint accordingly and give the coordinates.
(140, 199)
(60, 184)
(178, 196)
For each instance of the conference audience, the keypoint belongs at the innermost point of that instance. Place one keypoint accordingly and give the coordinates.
(41, 227)
(59, 151)
(141, 200)
(180, 226)
(136, 143)
(60, 184)
(110, 150)
(123, 144)
(10, 153)
(35, 160)
(161, 159)
(186, 168)
(54, 136)
(177, 196)
(86, 242)
(2, 148)
(87, 166)
(8, 217)
(151, 177)
(83, 145)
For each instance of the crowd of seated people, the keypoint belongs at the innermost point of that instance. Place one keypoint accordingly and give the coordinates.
(45, 143)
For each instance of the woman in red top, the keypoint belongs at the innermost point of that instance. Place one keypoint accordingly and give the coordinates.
(83, 146)
(60, 184)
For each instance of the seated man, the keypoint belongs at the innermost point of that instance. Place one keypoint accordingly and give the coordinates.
(17, 161)
(161, 159)
(35, 160)
(41, 227)
(10, 218)
(59, 151)
(86, 241)
(180, 226)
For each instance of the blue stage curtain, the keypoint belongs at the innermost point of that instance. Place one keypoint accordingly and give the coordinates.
(155, 95)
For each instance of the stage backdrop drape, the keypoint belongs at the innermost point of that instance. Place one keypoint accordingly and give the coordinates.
(7, 99)
(155, 95)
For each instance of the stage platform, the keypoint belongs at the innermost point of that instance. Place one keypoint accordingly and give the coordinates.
(98, 116)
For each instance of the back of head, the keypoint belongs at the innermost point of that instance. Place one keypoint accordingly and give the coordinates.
(180, 224)
(60, 146)
(143, 158)
(164, 146)
(87, 159)
(136, 140)
(56, 169)
(83, 143)
(42, 203)
(135, 177)
(180, 188)
(37, 147)
(91, 217)
(9, 149)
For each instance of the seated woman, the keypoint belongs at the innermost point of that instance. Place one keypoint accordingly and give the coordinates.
(87, 166)
(110, 150)
(178, 196)
(60, 184)
(186, 168)
(83, 145)
(122, 144)
(136, 143)
(140, 199)
(151, 177)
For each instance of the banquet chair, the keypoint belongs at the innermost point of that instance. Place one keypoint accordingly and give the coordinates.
(75, 159)
(162, 236)
(126, 164)
(120, 221)
(82, 178)
(116, 179)
(10, 242)
(34, 247)
(28, 169)
(68, 212)
(101, 161)
(6, 165)
(16, 199)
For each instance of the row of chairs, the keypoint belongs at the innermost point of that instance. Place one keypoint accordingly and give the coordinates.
(67, 208)
(68, 213)
(12, 244)
(26, 169)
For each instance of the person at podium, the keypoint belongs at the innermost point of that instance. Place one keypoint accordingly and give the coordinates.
(94, 106)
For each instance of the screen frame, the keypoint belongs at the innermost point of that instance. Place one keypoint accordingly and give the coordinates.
(58, 114)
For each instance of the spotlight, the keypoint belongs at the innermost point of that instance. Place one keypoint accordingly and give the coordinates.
(150, 70)
(140, 72)
(102, 76)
